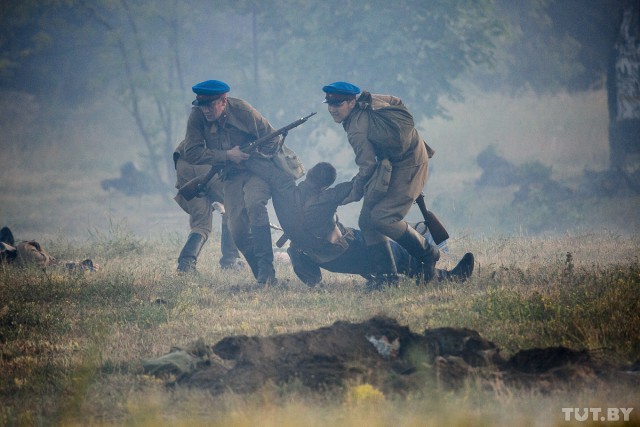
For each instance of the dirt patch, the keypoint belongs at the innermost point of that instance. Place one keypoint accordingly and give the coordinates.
(382, 353)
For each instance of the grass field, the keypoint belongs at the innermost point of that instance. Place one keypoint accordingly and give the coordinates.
(548, 273)
(72, 344)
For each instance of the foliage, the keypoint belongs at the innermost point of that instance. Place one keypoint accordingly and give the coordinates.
(20, 34)
(553, 45)
(147, 54)
(439, 39)
(579, 305)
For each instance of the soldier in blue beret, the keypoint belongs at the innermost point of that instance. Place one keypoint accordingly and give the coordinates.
(392, 172)
(201, 209)
(217, 128)
(339, 92)
(208, 91)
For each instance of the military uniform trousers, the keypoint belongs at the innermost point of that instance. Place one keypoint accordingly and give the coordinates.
(246, 197)
(283, 191)
(384, 216)
(200, 209)
(355, 260)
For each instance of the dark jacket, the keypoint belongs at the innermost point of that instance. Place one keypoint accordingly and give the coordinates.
(319, 221)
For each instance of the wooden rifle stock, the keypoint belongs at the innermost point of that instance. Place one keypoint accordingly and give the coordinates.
(437, 230)
(196, 186)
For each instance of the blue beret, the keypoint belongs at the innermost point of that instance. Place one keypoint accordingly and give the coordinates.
(342, 88)
(211, 87)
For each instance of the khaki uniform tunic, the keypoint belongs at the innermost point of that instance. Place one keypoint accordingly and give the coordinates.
(323, 237)
(382, 217)
(245, 195)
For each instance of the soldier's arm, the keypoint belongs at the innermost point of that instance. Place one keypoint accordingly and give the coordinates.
(365, 157)
(330, 198)
(340, 192)
(262, 125)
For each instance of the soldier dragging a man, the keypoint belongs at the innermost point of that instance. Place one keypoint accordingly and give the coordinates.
(392, 172)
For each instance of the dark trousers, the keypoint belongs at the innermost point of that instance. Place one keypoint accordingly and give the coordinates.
(355, 260)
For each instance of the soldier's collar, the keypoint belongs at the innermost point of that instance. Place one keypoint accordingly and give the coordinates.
(222, 120)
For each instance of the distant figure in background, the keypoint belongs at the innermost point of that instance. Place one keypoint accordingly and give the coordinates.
(132, 182)
(392, 172)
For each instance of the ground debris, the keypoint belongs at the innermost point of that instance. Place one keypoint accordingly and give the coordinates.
(383, 353)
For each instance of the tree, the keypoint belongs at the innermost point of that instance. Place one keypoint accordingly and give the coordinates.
(553, 45)
(413, 48)
(279, 53)
(276, 46)
(20, 36)
(150, 67)
(624, 92)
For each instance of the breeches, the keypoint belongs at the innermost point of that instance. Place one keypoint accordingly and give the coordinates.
(283, 192)
(383, 217)
(246, 198)
(199, 208)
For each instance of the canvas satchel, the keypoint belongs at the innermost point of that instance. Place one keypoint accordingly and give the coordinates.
(289, 162)
(390, 126)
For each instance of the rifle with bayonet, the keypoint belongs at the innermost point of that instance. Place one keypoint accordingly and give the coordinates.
(196, 186)
(437, 230)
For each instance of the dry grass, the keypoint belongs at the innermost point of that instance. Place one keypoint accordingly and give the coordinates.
(76, 342)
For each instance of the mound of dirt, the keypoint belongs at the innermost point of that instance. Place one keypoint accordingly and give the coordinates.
(379, 352)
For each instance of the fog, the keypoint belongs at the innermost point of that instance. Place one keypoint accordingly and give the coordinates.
(80, 108)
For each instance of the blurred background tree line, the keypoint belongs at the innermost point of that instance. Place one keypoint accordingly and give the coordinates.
(277, 54)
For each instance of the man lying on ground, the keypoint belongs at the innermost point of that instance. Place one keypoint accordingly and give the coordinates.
(25, 253)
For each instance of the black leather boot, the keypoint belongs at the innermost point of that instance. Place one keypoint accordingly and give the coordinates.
(306, 270)
(425, 253)
(230, 255)
(385, 272)
(461, 272)
(263, 251)
(189, 254)
(253, 263)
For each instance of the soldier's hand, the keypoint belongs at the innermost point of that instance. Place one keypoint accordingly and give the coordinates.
(236, 155)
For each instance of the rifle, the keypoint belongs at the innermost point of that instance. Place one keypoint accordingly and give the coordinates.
(437, 230)
(197, 185)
